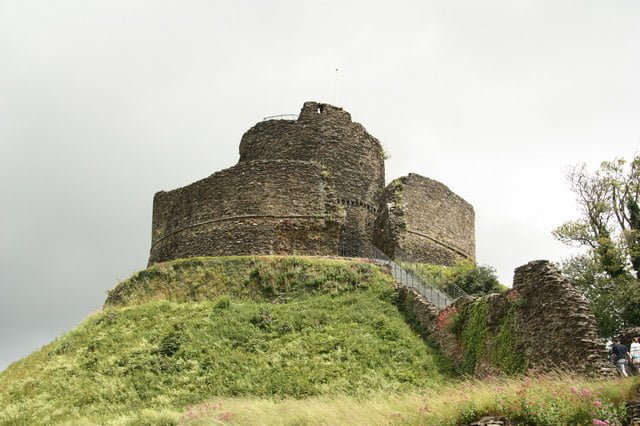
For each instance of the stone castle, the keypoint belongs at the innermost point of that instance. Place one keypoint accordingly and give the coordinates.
(312, 186)
(316, 186)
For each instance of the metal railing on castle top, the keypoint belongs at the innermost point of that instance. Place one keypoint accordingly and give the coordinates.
(281, 117)
(441, 298)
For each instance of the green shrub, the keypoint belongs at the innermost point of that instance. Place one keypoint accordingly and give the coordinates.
(474, 280)
(223, 302)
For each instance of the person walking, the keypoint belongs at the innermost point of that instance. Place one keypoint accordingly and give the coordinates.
(634, 352)
(621, 354)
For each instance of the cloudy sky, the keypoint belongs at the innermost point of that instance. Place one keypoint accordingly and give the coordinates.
(103, 103)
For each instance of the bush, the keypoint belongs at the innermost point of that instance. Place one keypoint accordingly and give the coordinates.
(474, 280)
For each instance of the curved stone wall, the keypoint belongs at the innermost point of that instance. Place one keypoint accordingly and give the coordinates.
(325, 134)
(424, 220)
(255, 207)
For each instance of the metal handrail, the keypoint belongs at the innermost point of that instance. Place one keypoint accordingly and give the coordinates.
(403, 277)
(281, 117)
(452, 289)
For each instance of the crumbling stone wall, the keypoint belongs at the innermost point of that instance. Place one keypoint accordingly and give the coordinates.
(325, 134)
(553, 328)
(556, 325)
(255, 207)
(426, 221)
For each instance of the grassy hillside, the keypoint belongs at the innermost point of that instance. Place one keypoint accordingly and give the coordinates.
(256, 327)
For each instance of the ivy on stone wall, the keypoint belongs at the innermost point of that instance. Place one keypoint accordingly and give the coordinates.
(500, 348)
(506, 351)
(474, 335)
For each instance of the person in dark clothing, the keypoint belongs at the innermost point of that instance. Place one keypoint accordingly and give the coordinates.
(621, 354)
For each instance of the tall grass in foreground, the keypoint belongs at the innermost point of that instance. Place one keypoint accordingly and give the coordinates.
(549, 400)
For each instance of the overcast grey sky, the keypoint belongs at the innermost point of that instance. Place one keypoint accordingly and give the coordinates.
(103, 103)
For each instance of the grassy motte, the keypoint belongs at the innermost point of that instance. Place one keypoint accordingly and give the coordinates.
(254, 327)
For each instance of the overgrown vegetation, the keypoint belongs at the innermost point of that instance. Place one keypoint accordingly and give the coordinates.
(474, 334)
(473, 279)
(498, 349)
(506, 352)
(263, 278)
(543, 401)
(282, 331)
(608, 271)
(271, 340)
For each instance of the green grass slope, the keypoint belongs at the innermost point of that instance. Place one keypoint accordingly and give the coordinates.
(187, 331)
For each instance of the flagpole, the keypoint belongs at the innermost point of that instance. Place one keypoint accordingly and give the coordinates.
(335, 90)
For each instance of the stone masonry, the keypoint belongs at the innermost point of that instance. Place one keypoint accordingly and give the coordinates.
(555, 329)
(424, 220)
(276, 207)
(310, 186)
(326, 135)
(556, 326)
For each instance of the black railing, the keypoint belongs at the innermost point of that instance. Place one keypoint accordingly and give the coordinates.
(441, 298)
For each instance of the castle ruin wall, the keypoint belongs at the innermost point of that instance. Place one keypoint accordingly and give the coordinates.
(422, 219)
(255, 207)
(313, 185)
(554, 328)
(326, 135)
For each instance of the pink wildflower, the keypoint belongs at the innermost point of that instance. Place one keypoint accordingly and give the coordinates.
(513, 295)
(574, 390)
(597, 403)
(586, 392)
(226, 416)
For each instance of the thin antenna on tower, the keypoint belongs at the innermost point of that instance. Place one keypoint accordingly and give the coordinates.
(335, 90)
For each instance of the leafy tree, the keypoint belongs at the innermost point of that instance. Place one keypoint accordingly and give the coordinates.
(475, 279)
(608, 272)
(615, 302)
